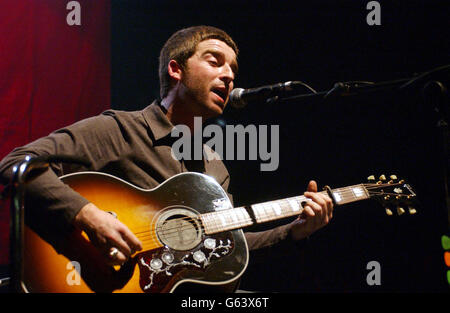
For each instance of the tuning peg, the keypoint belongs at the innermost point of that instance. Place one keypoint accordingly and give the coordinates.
(393, 179)
(382, 179)
(401, 181)
(412, 210)
(388, 211)
(400, 211)
(371, 178)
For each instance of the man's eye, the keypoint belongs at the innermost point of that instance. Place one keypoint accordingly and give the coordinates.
(213, 62)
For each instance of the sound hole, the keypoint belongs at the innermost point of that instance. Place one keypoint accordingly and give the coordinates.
(179, 229)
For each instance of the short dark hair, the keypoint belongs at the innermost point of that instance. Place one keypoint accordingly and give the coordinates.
(182, 45)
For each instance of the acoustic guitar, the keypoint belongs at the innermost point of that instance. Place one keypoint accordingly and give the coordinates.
(188, 228)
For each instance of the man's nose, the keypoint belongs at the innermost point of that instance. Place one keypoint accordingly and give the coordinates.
(227, 74)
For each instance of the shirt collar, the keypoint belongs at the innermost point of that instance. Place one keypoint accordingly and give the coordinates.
(157, 120)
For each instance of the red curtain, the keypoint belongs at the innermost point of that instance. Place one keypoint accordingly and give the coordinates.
(52, 73)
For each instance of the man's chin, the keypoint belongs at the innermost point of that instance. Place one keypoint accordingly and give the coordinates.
(210, 109)
(214, 110)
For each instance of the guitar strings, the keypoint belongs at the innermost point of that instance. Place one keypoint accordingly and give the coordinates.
(190, 219)
(148, 235)
(345, 192)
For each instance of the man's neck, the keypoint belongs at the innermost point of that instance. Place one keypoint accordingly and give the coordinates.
(177, 112)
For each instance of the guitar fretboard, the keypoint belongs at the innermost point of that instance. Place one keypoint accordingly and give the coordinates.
(235, 218)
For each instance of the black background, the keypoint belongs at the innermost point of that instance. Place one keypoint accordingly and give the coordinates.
(337, 142)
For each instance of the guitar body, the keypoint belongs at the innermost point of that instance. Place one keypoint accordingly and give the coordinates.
(176, 248)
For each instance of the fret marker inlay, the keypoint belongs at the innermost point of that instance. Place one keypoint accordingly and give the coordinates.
(358, 192)
(276, 208)
(294, 205)
(337, 196)
(222, 219)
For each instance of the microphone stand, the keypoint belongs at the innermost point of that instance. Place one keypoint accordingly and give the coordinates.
(353, 88)
(17, 190)
(344, 89)
(434, 92)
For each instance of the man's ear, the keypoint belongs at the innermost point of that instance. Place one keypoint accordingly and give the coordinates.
(174, 69)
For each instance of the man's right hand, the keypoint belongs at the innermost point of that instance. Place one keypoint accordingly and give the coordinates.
(106, 233)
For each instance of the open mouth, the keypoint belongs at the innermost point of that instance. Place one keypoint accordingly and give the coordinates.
(221, 93)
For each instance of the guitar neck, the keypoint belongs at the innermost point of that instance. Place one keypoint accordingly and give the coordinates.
(235, 218)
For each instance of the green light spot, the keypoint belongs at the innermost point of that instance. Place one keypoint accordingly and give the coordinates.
(445, 240)
(448, 277)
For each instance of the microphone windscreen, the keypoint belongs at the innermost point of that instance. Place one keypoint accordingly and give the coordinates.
(236, 99)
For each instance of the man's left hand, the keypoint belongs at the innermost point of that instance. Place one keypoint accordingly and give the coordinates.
(317, 213)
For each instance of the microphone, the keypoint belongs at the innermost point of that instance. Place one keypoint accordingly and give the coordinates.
(240, 97)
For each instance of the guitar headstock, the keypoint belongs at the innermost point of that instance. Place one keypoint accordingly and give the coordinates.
(394, 194)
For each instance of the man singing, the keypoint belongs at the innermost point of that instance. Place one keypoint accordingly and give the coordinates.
(197, 69)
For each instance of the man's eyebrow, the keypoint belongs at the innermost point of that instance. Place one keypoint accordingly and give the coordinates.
(213, 52)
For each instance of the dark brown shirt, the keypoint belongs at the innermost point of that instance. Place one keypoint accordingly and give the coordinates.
(135, 146)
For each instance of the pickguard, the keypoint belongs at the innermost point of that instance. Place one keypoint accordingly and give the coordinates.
(161, 268)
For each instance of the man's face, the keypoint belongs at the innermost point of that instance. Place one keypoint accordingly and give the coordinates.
(208, 76)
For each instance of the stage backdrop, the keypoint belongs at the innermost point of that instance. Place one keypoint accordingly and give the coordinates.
(55, 65)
